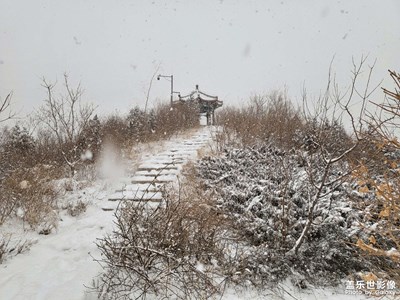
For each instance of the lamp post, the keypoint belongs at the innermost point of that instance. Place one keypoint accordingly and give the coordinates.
(171, 78)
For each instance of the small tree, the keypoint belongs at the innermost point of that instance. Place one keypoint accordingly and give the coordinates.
(137, 124)
(20, 140)
(66, 118)
(17, 149)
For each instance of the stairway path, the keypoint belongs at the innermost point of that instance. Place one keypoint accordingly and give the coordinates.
(159, 169)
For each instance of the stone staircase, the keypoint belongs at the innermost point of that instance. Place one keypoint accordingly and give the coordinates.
(157, 170)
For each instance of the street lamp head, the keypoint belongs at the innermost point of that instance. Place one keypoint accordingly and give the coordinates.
(158, 77)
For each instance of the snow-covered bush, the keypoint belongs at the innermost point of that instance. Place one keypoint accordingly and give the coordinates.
(90, 140)
(138, 128)
(268, 193)
(316, 134)
(17, 149)
(20, 141)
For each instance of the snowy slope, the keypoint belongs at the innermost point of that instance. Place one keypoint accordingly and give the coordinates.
(59, 265)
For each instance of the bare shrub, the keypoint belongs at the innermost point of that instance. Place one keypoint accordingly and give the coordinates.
(171, 120)
(270, 117)
(9, 248)
(16, 152)
(75, 209)
(47, 149)
(4, 250)
(141, 126)
(171, 250)
(326, 135)
(88, 173)
(32, 194)
(65, 117)
(379, 183)
(8, 205)
(115, 130)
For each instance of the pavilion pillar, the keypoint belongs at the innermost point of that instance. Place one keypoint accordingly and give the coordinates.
(208, 118)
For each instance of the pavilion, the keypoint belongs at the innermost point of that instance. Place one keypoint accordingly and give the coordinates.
(205, 103)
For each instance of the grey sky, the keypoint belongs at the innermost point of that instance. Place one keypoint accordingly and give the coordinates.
(232, 49)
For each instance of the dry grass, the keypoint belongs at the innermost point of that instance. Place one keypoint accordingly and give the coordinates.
(170, 121)
(272, 117)
(30, 195)
(171, 250)
(40, 158)
(9, 248)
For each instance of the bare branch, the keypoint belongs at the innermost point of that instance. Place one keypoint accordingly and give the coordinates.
(5, 109)
(150, 84)
(66, 118)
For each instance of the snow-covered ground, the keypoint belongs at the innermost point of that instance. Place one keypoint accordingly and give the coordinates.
(61, 265)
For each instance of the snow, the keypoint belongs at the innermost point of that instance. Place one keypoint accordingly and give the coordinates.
(61, 265)
(254, 201)
(287, 291)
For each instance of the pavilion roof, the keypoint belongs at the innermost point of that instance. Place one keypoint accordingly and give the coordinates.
(205, 100)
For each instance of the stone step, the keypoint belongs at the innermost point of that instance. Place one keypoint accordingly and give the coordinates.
(173, 155)
(150, 181)
(164, 161)
(136, 196)
(148, 167)
(142, 187)
(150, 190)
(157, 172)
(107, 208)
(188, 152)
(153, 177)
